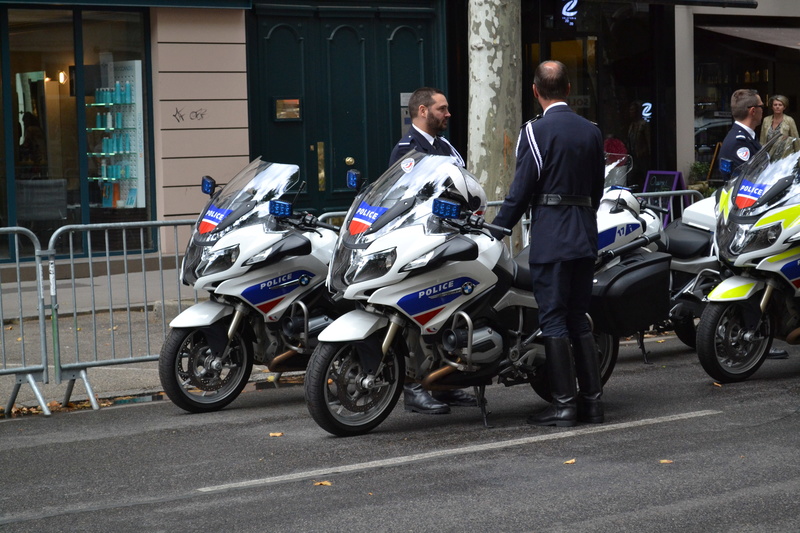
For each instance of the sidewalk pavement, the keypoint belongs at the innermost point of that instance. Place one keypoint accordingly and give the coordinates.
(154, 299)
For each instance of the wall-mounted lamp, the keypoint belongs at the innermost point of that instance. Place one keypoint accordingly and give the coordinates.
(62, 77)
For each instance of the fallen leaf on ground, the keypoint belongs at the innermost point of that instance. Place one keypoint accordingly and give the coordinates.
(276, 434)
(322, 483)
(661, 341)
(570, 462)
(717, 384)
(665, 461)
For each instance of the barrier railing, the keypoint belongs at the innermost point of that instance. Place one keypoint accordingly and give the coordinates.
(16, 358)
(112, 320)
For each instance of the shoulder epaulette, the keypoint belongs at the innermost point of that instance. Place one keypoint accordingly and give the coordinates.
(531, 121)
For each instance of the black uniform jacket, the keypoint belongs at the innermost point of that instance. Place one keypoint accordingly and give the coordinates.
(414, 140)
(560, 153)
(738, 147)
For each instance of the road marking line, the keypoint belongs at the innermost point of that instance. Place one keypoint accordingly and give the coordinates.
(359, 467)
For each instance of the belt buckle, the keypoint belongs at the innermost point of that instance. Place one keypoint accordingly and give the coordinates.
(556, 199)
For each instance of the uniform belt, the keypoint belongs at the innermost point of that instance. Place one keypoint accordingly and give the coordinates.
(562, 199)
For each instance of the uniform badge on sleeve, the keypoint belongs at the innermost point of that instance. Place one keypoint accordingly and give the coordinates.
(743, 153)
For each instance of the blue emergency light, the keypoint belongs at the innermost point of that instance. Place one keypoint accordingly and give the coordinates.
(279, 208)
(353, 178)
(208, 185)
(446, 208)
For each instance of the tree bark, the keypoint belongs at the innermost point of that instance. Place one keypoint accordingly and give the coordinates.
(495, 93)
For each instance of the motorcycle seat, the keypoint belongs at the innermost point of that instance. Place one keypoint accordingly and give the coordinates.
(522, 270)
(684, 242)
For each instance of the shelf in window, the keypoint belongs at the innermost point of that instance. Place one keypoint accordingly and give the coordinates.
(108, 104)
(100, 178)
(110, 129)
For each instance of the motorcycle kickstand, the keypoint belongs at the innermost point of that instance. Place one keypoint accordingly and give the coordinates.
(640, 342)
(480, 395)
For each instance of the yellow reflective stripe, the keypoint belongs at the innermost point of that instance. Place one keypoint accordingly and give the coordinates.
(724, 203)
(734, 292)
(785, 255)
(787, 217)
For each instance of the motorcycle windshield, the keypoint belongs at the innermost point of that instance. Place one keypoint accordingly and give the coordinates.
(245, 200)
(617, 168)
(770, 179)
(403, 196)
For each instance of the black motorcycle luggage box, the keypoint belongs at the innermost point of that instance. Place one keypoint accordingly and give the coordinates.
(631, 295)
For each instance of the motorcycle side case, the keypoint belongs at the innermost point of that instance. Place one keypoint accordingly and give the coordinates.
(631, 295)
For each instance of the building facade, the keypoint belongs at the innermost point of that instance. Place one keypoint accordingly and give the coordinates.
(112, 111)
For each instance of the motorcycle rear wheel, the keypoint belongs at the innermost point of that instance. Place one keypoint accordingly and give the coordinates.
(607, 350)
(686, 331)
(335, 393)
(724, 351)
(191, 376)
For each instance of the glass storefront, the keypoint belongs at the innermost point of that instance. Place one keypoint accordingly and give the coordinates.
(609, 49)
(80, 149)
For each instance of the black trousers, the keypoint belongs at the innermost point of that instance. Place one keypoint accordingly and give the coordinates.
(563, 291)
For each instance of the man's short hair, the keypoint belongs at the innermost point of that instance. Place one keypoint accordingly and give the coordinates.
(741, 102)
(422, 96)
(551, 80)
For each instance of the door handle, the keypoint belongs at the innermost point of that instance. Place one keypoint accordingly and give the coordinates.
(321, 166)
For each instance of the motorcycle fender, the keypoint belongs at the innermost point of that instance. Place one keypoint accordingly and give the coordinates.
(353, 326)
(201, 314)
(734, 289)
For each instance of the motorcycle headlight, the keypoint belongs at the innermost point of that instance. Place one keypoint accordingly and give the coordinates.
(219, 260)
(370, 266)
(747, 239)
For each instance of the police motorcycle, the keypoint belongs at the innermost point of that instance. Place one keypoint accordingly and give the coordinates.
(622, 218)
(758, 236)
(264, 268)
(438, 299)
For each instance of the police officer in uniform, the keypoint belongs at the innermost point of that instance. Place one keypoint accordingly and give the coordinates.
(559, 174)
(429, 112)
(741, 142)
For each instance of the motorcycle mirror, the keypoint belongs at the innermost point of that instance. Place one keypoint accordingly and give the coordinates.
(446, 209)
(279, 208)
(354, 179)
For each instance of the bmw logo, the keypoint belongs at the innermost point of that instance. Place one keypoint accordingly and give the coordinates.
(304, 280)
(467, 288)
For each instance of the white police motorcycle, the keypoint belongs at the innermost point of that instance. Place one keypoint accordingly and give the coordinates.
(440, 299)
(264, 269)
(758, 237)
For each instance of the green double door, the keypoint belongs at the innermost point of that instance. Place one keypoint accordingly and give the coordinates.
(329, 87)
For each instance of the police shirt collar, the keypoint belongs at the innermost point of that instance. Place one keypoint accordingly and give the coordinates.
(748, 130)
(552, 106)
(426, 135)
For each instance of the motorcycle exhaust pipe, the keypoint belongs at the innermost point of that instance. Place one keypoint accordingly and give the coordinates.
(294, 326)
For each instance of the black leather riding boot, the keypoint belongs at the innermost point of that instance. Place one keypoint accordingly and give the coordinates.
(561, 374)
(418, 400)
(590, 384)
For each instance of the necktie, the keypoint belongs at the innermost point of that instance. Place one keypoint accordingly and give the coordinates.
(439, 147)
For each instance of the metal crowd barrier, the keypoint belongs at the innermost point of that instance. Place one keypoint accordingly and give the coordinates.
(16, 358)
(112, 320)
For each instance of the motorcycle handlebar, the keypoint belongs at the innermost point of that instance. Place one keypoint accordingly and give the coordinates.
(327, 226)
(656, 208)
(479, 222)
(644, 240)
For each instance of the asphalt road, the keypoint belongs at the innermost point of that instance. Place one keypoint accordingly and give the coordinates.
(677, 453)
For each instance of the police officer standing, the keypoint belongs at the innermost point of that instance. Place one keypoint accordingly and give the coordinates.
(741, 142)
(429, 112)
(559, 174)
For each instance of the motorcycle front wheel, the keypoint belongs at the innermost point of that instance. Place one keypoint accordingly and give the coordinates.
(342, 398)
(607, 351)
(194, 378)
(727, 351)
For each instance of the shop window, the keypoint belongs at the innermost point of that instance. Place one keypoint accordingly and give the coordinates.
(80, 151)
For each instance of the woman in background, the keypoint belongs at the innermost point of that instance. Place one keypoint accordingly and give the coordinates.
(779, 123)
